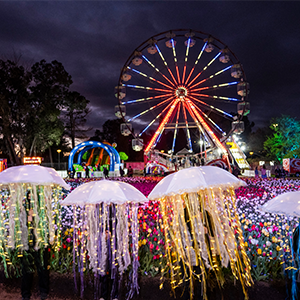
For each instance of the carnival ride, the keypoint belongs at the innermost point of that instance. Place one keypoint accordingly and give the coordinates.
(112, 160)
(183, 79)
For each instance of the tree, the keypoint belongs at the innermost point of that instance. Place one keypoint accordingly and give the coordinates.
(285, 141)
(256, 141)
(97, 136)
(123, 156)
(111, 131)
(31, 103)
(248, 125)
(50, 83)
(75, 116)
(14, 108)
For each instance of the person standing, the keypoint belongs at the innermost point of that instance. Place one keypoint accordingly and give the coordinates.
(263, 172)
(121, 172)
(130, 172)
(105, 172)
(256, 172)
(277, 172)
(87, 172)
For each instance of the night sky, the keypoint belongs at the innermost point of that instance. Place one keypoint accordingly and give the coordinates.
(94, 39)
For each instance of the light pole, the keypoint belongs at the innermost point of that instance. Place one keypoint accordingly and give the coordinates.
(58, 151)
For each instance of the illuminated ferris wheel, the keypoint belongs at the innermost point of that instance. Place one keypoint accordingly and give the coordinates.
(182, 79)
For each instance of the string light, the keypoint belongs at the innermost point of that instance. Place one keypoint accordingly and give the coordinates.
(183, 219)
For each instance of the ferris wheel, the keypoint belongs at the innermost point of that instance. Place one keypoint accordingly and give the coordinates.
(182, 80)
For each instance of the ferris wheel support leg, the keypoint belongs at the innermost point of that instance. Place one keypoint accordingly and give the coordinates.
(162, 125)
(208, 129)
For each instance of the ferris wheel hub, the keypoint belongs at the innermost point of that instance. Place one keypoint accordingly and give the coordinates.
(181, 92)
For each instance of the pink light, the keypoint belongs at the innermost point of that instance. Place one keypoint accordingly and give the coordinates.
(162, 83)
(199, 83)
(201, 89)
(184, 70)
(177, 71)
(195, 78)
(191, 72)
(172, 76)
(161, 90)
(167, 79)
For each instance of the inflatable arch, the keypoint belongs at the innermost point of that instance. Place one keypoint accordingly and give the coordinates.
(112, 152)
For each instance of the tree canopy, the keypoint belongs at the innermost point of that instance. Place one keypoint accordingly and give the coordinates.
(77, 110)
(31, 103)
(285, 140)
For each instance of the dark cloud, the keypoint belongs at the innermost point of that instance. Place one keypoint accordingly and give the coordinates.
(94, 39)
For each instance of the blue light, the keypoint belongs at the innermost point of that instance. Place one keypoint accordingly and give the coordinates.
(228, 68)
(234, 99)
(145, 58)
(173, 146)
(158, 138)
(157, 49)
(145, 129)
(218, 127)
(227, 114)
(131, 101)
(136, 116)
(232, 83)
(136, 71)
(204, 46)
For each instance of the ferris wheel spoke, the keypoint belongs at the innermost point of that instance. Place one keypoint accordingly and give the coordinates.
(149, 77)
(176, 128)
(145, 88)
(166, 64)
(209, 119)
(159, 136)
(196, 62)
(215, 109)
(216, 97)
(211, 76)
(157, 70)
(198, 123)
(175, 60)
(150, 109)
(207, 128)
(204, 68)
(146, 99)
(155, 119)
(216, 86)
(194, 117)
(187, 128)
(162, 124)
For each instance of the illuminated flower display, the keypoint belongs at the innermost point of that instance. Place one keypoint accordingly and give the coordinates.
(266, 235)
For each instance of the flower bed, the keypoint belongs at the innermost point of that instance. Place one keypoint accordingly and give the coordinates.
(266, 235)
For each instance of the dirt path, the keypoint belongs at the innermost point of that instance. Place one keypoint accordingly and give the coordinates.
(62, 288)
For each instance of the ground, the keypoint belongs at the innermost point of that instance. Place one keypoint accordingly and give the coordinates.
(62, 288)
